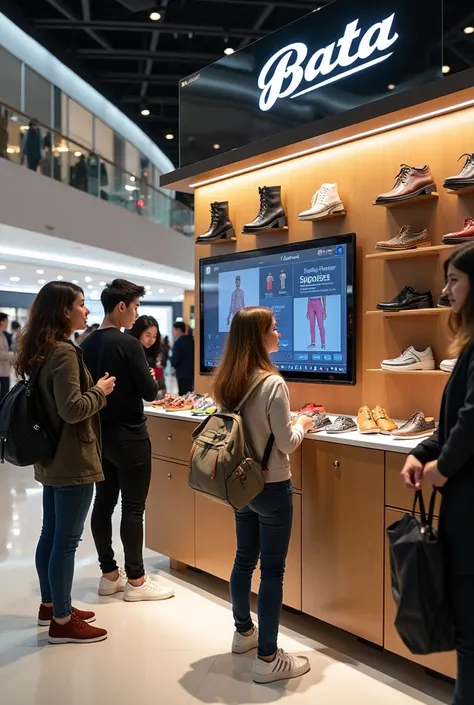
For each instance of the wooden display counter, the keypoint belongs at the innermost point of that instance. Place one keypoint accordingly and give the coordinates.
(346, 491)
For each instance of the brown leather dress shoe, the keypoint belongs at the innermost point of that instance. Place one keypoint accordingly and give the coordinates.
(383, 420)
(365, 421)
(410, 182)
(462, 236)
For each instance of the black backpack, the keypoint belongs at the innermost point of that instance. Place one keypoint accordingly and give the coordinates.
(24, 437)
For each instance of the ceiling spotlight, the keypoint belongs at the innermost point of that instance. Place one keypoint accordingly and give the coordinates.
(39, 271)
(60, 277)
(14, 279)
(446, 69)
(87, 279)
(90, 286)
(145, 112)
(228, 51)
(155, 16)
(102, 283)
(169, 136)
(2, 266)
(468, 30)
(77, 154)
(147, 286)
(161, 291)
(391, 86)
(41, 281)
(216, 146)
(74, 281)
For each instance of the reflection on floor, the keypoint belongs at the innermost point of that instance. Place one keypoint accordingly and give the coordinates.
(172, 653)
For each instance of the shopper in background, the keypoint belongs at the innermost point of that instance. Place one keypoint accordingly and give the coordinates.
(16, 331)
(446, 460)
(263, 527)
(126, 457)
(7, 357)
(32, 146)
(165, 351)
(70, 402)
(147, 331)
(182, 358)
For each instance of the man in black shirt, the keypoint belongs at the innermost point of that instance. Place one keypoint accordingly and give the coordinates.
(126, 452)
(182, 358)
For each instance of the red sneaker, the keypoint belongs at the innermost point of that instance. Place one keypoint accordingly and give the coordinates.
(45, 615)
(75, 632)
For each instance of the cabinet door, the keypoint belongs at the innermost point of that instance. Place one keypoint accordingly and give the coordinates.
(442, 663)
(169, 518)
(170, 438)
(343, 537)
(215, 547)
(396, 495)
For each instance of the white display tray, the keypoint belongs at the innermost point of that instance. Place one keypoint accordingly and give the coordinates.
(375, 441)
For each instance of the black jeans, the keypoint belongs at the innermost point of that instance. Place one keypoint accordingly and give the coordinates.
(463, 613)
(263, 531)
(4, 386)
(127, 470)
(185, 385)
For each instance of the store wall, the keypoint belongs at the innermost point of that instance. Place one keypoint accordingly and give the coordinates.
(363, 169)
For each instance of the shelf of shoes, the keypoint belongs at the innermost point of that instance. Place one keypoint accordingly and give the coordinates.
(221, 241)
(330, 216)
(422, 251)
(460, 191)
(425, 198)
(270, 231)
(415, 312)
(435, 373)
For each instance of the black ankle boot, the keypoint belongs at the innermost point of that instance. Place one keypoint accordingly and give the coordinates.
(220, 228)
(271, 214)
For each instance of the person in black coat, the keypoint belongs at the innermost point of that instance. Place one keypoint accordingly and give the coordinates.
(446, 460)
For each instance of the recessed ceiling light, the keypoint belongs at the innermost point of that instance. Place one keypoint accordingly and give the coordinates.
(228, 51)
(2, 266)
(75, 281)
(87, 279)
(155, 16)
(147, 286)
(391, 86)
(102, 283)
(145, 112)
(216, 146)
(39, 271)
(161, 291)
(446, 69)
(169, 136)
(77, 154)
(132, 178)
(14, 279)
(41, 281)
(468, 30)
(90, 286)
(60, 277)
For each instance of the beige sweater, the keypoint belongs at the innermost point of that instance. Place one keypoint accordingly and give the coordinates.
(268, 411)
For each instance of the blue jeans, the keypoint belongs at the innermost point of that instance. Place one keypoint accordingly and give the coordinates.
(64, 513)
(263, 531)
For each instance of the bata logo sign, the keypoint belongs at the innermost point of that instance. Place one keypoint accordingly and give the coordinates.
(292, 65)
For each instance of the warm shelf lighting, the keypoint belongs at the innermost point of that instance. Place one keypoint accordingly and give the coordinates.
(446, 69)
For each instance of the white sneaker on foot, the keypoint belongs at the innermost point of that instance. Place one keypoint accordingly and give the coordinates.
(242, 644)
(112, 587)
(282, 668)
(148, 591)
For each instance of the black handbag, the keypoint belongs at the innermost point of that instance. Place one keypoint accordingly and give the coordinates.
(24, 437)
(423, 619)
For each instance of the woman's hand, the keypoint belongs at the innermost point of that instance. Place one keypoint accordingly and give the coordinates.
(152, 373)
(305, 421)
(412, 473)
(433, 475)
(107, 384)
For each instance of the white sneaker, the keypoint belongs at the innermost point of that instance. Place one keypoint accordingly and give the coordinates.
(448, 365)
(325, 202)
(282, 668)
(242, 644)
(410, 359)
(112, 587)
(146, 592)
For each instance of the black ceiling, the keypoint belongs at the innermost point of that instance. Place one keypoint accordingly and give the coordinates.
(137, 63)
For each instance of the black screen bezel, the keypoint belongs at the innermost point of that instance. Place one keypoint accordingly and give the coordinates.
(312, 377)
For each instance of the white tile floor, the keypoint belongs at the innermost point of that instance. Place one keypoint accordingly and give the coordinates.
(173, 653)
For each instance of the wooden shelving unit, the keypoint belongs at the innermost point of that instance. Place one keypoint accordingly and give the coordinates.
(426, 198)
(428, 251)
(460, 191)
(424, 373)
(340, 214)
(270, 231)
(416, 312)
(223, 241)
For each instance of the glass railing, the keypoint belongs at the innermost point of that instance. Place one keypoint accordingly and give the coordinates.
(50, 153)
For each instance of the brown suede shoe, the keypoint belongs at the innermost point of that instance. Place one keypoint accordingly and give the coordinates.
(365, 421)
(410, 181)
(405, 240)
(75, 632)
(45, 615)
(383, 420)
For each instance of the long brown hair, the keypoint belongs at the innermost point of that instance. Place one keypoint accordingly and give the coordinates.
(47, 325)
(244, 355)
(462, 323)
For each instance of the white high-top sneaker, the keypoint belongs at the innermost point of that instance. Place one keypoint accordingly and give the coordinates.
(325, 202)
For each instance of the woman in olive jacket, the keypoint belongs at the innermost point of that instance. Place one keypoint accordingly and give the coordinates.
(70, 403)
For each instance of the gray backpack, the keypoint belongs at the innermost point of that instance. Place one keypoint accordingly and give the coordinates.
(221, 465)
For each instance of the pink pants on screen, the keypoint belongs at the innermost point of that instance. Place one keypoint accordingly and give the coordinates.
(316, 313)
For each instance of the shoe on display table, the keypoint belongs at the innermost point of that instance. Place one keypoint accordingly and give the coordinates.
(410, 359)
(461, 236)
(407, 300)
(448, 365)
(465, 178)
(410, 182)
(366, 421)
(384, 423)
(417, 426)
(271, 215)
(405, 240)
(320, 423)
(443, 301)
(343, 424)
(326, 201)
(221, 227)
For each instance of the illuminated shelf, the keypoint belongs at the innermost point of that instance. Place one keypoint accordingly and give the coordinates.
(460, 191)
(270, 231)
(222, 241)
(426, 198)
(415, 312)
(427, 251)
(435, 373)
(340, 214)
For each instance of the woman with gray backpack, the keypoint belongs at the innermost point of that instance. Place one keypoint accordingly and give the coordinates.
(263, 527)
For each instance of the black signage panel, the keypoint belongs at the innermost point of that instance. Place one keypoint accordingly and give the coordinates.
(330, 61)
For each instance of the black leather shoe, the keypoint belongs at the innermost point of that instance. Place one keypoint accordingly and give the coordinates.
(221, 227)
(443, 301)
(465, 178)
(271, 214)
(408, 299)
